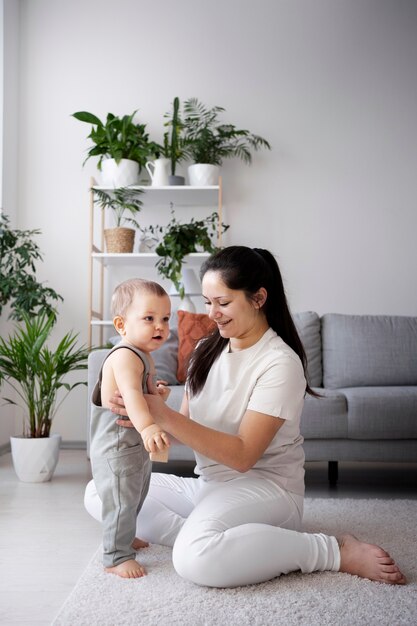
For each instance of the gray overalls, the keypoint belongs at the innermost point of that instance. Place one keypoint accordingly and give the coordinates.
(121, 471)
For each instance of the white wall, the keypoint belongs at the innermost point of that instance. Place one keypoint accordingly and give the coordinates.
(330, 83)
(8, 168)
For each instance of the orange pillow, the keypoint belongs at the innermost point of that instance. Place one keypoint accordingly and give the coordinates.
(191, 328)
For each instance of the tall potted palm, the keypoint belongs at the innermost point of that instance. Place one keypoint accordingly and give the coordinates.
(37, 375)
(209, 141)
(122, 146)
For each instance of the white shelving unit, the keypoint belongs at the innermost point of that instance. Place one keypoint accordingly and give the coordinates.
(161, 199)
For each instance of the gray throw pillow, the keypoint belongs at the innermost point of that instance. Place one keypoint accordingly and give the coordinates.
(308, 327)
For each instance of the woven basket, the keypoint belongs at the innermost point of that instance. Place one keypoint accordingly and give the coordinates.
(119, 239)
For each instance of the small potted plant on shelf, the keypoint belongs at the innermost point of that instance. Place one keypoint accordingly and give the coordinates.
(37, 374)
(162, 171)
(121, 201)
(209, 142)
(174, 146)
(180, 239)
(19, 287)
(121, 145)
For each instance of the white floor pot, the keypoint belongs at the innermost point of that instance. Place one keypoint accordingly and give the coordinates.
(203, 175)
(35, 459)
(121, 174)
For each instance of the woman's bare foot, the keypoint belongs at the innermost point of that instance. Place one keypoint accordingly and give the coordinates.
(368, 561)
(127, 569)
(137, 544)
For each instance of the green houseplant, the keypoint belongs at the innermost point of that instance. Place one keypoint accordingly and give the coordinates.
(174, 146)
(121, 145)
(19, 287)
(37, 375)
(209, 141)
(180, 239)
(121, 201)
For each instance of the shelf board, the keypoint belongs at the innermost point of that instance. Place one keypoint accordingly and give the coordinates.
(178, 195)
(135, 258)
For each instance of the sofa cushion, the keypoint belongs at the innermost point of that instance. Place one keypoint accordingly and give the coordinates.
(382, 412)
(368, 350)
(191, 328)
(166, 359)
(308, 327)
(324, 417)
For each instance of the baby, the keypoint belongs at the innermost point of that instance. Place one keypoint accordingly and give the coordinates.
(120, 456)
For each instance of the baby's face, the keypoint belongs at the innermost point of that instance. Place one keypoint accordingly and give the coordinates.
(146, 323)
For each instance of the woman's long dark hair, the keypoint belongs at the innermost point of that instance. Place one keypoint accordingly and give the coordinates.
(246, 269)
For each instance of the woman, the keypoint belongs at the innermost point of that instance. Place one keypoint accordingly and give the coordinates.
(239, 522)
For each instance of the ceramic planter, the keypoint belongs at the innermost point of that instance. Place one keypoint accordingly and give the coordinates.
(158, 171)
(173, 179)
(121, 174)
(203, 175)
(35, 459)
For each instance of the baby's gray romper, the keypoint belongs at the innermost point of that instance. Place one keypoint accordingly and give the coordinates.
(121, 471)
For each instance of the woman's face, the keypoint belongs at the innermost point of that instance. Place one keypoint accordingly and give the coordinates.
(237, 318)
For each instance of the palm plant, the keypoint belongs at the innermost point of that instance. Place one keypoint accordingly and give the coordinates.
(36, 373)
(118, 138)
(209, 141)
(120, 201)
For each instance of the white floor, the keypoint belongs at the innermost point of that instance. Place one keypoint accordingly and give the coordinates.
(47, 538)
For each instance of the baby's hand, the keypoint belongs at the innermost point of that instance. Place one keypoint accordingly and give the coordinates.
(154, 438)
(158, 441)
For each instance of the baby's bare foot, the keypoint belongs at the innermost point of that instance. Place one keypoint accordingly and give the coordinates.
(137, 544)
(368, 561)
(127, 569)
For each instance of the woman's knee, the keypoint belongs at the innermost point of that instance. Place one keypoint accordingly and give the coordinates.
(196, 555)
(92, 501)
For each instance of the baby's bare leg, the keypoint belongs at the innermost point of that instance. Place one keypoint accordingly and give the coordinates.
(127, 569)
(368, 561)
(137, 544)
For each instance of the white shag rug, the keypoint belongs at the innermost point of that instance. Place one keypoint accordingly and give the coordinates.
(162, 598)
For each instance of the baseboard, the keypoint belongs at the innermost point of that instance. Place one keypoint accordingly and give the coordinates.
(65, 445)
(4, 449)
(73, 445)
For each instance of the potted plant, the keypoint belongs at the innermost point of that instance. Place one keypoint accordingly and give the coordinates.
(121, 201)
(174, 146)
(122, 146)
(179, 239)
(18, 285)
(37, 374)
(162, 171)
(209, 142)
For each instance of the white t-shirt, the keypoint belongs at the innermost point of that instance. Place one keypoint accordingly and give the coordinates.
(268, 377)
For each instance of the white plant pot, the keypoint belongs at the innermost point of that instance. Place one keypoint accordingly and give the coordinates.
(35, 459)
(120, 174)
(158, 171)
(203, 175)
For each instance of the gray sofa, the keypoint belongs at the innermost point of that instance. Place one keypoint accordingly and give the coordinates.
(364, 367)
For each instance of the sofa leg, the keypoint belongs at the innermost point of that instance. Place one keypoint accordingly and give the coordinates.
(333, 473)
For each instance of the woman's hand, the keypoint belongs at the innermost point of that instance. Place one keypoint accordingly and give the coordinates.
(162, 389)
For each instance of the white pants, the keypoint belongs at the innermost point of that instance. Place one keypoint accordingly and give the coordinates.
(239, 532)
